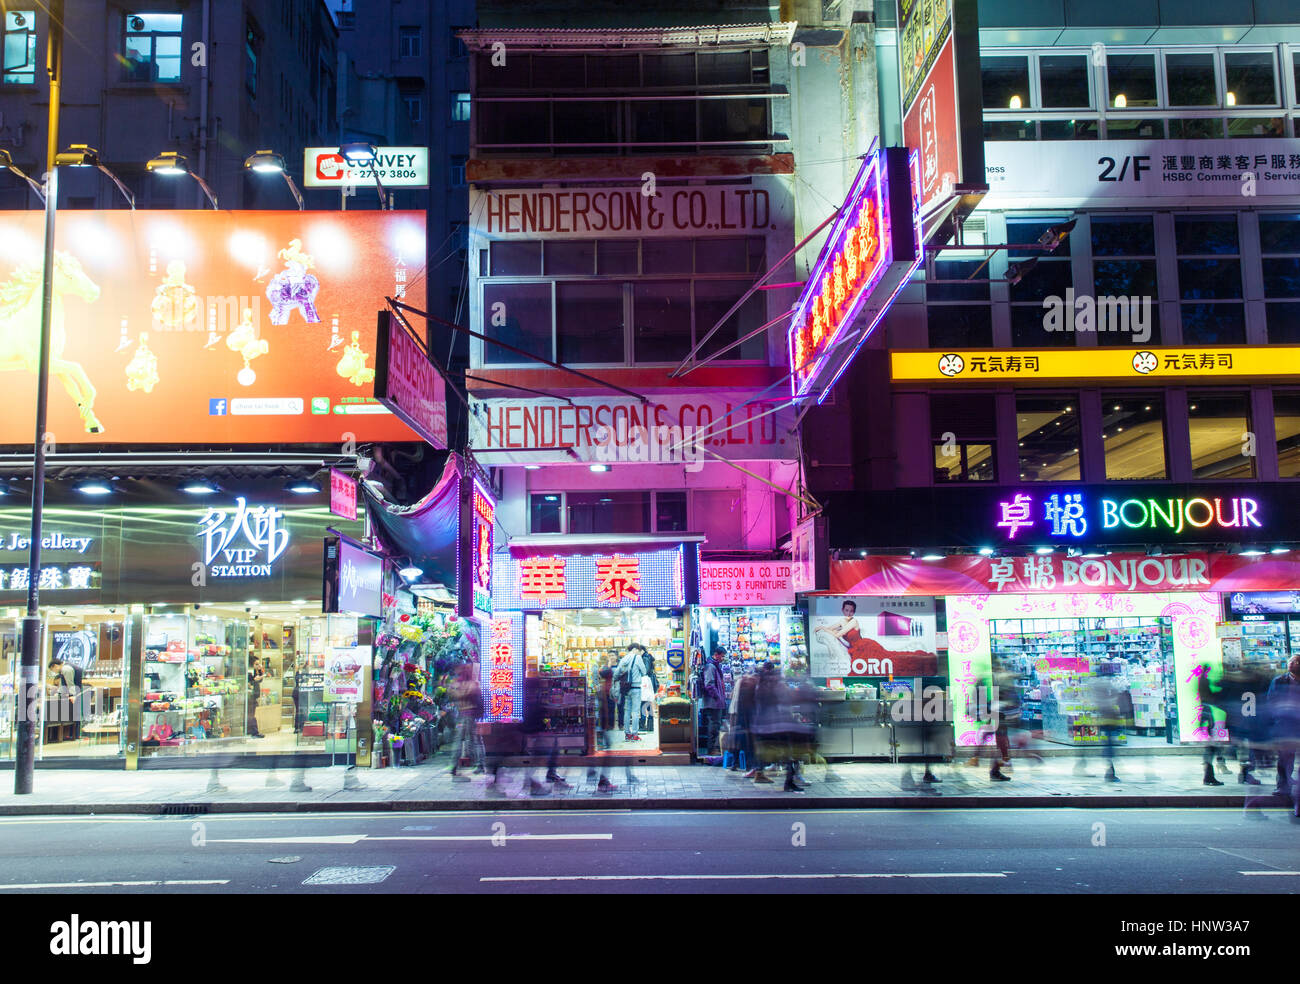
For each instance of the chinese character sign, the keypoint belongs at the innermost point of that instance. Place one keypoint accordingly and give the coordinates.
(541, 579)
(618, 579)
(482, 526)
(246, 542)
(643, 578)
(502, 668)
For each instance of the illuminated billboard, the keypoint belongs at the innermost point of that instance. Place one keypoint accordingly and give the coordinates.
(205, 327)
(873, 248)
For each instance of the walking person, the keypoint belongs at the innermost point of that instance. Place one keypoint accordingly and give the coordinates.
(774, 726)
(466, 696)
(1283, 703)
(1208, 697)
(537, 734)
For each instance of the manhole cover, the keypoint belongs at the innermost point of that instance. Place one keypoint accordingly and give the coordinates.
(351, 875)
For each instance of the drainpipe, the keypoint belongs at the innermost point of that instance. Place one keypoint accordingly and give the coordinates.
(203, 98)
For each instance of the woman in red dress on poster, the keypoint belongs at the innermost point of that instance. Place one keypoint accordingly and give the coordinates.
(868, 657)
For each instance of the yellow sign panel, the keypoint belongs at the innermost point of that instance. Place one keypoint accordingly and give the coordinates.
(1029, 367)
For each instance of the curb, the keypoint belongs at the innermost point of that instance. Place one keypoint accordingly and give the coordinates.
(936, 801)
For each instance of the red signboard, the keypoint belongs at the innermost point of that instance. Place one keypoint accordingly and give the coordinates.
(930, 127)
(725, 583)
(1056, 574)
(408, 384)
(343, 495)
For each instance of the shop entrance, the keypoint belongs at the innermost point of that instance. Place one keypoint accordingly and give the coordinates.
(1065, 669)
(568, 651)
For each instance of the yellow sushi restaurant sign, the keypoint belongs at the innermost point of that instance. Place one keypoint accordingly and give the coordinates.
(1052, 367)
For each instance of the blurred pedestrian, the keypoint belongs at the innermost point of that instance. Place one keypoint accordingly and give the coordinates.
(1241, 698)
(1283, 702)
(538, 735)
(774, 726)
(1208, 697)
(1112, 708)
(1004, 708)
(465, 695)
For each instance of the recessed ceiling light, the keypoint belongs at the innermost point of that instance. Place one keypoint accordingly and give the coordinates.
(95, 488)
(986, 551)
(600, 468)
(1045, 550)
(198, 488)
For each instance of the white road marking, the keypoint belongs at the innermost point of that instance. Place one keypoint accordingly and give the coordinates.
(116, 884)
(357, 838)
(1259, 873)
(916, 874)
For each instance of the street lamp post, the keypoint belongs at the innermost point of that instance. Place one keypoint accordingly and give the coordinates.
(269, 162)
(30, 692)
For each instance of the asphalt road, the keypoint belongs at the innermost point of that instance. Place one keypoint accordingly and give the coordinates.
(823, 851)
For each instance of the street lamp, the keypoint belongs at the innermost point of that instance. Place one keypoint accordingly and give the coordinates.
(269, 162)
(361, 153)
(79, 155)
(171, 164)
(7, 164)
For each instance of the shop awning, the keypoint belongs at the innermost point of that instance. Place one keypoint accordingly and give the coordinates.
(427, 532)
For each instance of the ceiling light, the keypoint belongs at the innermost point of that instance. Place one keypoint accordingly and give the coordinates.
(95, 488)
(198, 488)
(1280, 550)
(302, 487)
(1015, 103)
(600, 468)
(1231, 98)
(1115, 407)
(411, 573)
(532, 467)
(1121, 101)
(1253, 552)
(986, 551)
(1045, 550)
(932, 556)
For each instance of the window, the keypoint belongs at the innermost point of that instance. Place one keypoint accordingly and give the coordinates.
(961, 431)
(546, 512)
(661, 319)
(589, 323)
(408, 42)
(1131, 81)
(1189, 79)
(958, 314)
(614, 256)
(1050, 277)
(455, 46)
(608, 512)
(1209, 279)
(519, 315)
(1286, 425)
(20, 46)
(1295, 75)
(151, 47)
(1006, 81)
(670, 512)
(570, 258)
(1219, 426)
(1133, 433)
(1047, 429)
(456, 171)
(460, 107)
(516, 259)
(1124, 267)
(1279, 242)
(1250, 78)
(713, 299)
(720, 513)
(414, 108)
(1063, 82)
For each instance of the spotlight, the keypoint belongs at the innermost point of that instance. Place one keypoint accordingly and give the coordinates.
(411, 573)
(1042, 551)
(302, 487)
(198, 488)
(95, 488)
(986, 551)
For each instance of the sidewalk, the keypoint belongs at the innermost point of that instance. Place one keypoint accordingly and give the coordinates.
(1153, 781)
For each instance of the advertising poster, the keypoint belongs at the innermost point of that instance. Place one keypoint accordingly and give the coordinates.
(345, 674)
(205, 327)
(873, 636)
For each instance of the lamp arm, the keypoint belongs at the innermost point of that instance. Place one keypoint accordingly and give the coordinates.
(297, 195)
(207, 190)
(31, 182)
(130, 198)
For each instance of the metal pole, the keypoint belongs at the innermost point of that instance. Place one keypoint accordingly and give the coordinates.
(30, 692)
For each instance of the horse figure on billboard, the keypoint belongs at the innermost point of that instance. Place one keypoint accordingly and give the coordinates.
(20, 328)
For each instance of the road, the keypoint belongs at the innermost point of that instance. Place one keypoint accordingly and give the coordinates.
(824, 851)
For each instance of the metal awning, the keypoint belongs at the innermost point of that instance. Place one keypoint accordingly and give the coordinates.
(779, 33)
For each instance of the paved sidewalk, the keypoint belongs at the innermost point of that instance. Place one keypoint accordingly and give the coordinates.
(1154, 781)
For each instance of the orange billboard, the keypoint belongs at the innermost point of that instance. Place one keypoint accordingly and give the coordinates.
(205, 327)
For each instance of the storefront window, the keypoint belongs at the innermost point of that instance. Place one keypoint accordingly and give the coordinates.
(1047, 429)
(1133, 430)
(961, 432)
(1286, 424)
(1219, 428)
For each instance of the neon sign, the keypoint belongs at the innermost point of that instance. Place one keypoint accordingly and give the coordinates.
(1066, 515)
(648, 579)
(502, 668)
(483, 524)
(872, 251)
(259, 528)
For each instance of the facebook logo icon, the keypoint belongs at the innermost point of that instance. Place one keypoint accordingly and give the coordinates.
(216, 407)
